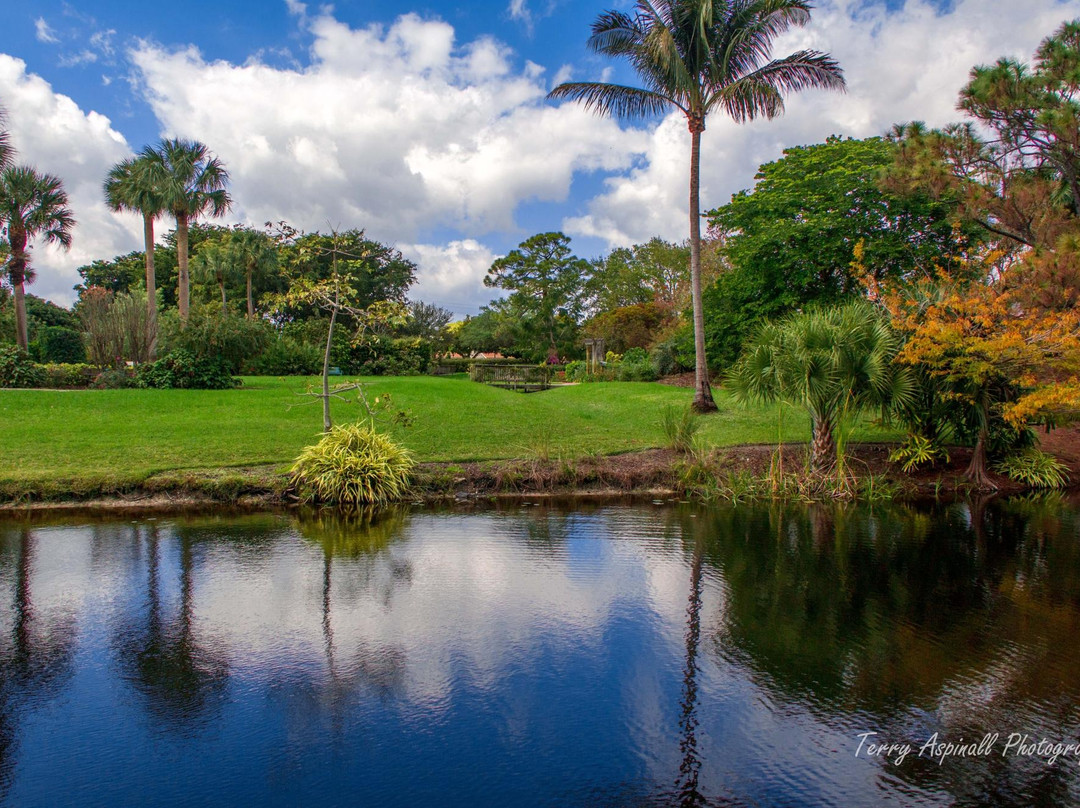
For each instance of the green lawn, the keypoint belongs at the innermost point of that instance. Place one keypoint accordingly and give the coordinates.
(126, 435)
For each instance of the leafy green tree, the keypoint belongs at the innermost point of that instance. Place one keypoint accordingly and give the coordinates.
(369, 272)
(481, 333)
(136, 185)
(546, 284)
(192, 182)
(655, 272)
(835, 362)
(426, 320)
(32, 206)
(791, 240)
(117, 275)
(1016, 170)
(698, 56)
(636, 326)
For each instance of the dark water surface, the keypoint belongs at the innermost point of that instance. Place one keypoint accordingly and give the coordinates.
(601, 656)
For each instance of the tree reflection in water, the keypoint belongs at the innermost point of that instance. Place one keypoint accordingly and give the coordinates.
(962, 621)
(35, 652)
(361, 539)
(182, 675)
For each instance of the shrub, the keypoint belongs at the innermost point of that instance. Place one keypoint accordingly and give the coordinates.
(17, 369)
(406, 356)
(636, 367)
(211, 335)
(182, 370)
(69, 376)
(1035, 468)
(287, 357)
(114, 379)
(665, 358)
(681, 426)
(59, 345)
(352, 465)
(917, 450)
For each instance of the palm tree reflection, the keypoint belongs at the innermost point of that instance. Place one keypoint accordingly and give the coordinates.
(182, 676)
(36, 654)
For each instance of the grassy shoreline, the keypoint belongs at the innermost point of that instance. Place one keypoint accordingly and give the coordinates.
(84, 443)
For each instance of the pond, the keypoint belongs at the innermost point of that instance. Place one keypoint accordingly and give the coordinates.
(603, 655)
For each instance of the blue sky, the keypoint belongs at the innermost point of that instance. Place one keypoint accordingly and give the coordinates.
(425, 123)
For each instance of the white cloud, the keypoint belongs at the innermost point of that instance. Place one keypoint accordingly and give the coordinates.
(450, 275)
(44, 32)
(900, 65)
(399, 129)
(83, 57)
(52, 133)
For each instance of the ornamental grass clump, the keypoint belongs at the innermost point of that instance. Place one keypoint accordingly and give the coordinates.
(353, 465)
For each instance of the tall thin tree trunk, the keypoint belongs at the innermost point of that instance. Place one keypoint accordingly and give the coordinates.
(21, 336)
(822, 446)
(151, 287)
(224, 305)
(327, 423)
(250, 300)
(703, 399)
(182, 261)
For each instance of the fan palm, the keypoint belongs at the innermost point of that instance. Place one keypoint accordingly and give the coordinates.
(698, 56)
(835, 362)
(32, 206)
(255, 253)
(136, 185)
(192, 184)
(216, 263)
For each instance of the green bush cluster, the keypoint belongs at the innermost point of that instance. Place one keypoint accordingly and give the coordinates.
(58, 345)
(17, 369)
(233, 341)
(183, 370)
(353, 465)
(115, 379)
(68, 376)
(286, 356)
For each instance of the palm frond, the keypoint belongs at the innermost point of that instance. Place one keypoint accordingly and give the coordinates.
(616, 100)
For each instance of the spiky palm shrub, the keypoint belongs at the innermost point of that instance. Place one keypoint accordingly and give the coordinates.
(835, 362)
(353, 465)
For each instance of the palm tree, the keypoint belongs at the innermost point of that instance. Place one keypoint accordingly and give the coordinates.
(216, 263)
(696, 56)
(834, 362)
(255, 253)
(136, 185)
(32, 206)
(193, 184)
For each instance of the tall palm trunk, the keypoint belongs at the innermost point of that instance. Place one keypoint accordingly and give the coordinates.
(182, 261)
(703, 400)
(21, 336)
(224, 305)
(690, 766)
(151, 286)
(250, 300)
(822, 445)
(17, 276)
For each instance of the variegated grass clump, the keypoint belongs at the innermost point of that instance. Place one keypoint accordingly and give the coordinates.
(353, 465)
(1035, 468)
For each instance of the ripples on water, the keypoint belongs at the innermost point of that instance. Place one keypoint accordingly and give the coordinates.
(603, 656)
